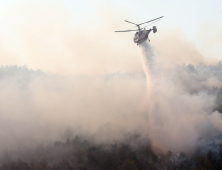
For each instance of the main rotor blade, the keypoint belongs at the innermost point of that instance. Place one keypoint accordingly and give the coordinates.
(150, 24)
(130, 22)
(132, 27)
(151, 20)
(126, 31)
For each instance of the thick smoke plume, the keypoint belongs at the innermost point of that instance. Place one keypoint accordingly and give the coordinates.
(182, 104)
(39, 107)
(178, 111)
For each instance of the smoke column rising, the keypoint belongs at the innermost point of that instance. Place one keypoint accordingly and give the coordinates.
(177, 119)
(176, 109)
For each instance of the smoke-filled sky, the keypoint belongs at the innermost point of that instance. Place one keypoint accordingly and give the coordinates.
(64, 67)
(53, 35)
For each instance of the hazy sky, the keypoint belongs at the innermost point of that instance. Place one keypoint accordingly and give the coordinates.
(50, 34)
(187, 15)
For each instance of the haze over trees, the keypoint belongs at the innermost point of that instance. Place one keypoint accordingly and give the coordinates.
(104, 108)
(80, 154)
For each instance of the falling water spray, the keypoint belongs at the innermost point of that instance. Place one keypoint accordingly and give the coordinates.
(147, 58)
(148, 62)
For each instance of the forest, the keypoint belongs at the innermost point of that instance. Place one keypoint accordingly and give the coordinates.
(133, 154)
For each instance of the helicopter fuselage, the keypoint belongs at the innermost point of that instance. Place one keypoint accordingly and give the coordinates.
(141, 36)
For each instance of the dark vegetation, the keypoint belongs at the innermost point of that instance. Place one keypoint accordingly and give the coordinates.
(77, 154)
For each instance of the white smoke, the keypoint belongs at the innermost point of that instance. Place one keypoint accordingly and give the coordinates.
(179, 120)
(38, 107)
(176, 109)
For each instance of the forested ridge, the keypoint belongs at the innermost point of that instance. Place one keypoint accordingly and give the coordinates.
(78, 154)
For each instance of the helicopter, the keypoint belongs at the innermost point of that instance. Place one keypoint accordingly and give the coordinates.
(142, 34)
